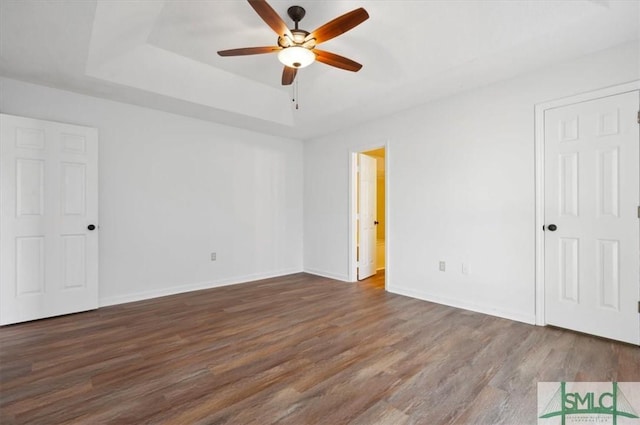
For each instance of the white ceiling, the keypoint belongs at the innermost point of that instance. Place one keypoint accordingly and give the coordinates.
(162, 54)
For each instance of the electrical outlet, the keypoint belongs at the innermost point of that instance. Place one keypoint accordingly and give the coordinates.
(465, 268)
(213, 256)
(442, 266)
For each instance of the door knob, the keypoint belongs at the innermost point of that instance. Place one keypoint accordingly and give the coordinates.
(552, 227)
(91, 227)
(376, 222)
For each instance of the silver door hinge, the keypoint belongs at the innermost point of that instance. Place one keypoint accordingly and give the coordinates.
(638, 117)
(639, 212)
(638, 306)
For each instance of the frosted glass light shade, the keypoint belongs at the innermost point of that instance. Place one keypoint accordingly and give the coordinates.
(296, 57)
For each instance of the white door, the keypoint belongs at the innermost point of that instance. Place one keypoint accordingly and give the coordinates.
(592, 231)
(48, 204)
(366, 216)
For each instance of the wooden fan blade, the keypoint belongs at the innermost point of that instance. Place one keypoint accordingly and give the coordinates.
(249, 51)
(336, 60)
(338, 26)
(288, 75)
(271, 17)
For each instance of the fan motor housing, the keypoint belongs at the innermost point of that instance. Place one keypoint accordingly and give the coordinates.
(298, 39)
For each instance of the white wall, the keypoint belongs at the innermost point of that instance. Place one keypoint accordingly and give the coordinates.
(174, 189)
(460, 188)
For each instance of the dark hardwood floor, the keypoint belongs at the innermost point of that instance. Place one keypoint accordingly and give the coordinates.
(297, 350)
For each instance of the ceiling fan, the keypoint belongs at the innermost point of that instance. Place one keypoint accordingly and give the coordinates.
(296, 47)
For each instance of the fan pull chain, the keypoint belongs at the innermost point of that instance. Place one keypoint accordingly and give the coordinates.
(295, 93)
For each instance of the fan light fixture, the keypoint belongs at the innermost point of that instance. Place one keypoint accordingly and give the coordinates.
(296, 57)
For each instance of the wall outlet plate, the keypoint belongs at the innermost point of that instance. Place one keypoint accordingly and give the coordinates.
(213, 256)
(442, 266)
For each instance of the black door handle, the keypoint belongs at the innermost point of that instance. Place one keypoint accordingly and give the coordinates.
(91, 227)
(552, 227)
(376, 222)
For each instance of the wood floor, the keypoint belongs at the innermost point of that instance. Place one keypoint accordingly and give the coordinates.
(294, 350)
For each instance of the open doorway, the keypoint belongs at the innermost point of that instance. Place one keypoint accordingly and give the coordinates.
(368, 217)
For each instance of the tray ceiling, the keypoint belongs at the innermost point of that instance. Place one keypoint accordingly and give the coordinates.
(162, 54)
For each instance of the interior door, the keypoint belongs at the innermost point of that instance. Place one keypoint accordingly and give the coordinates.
(592, 231)
(48, 219)
(366, 216)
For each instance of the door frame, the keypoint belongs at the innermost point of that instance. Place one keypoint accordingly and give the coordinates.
(353, 202)
(539, 179)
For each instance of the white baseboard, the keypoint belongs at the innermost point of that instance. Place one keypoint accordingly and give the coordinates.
(155, 293)
(491, 311)
(329, 275)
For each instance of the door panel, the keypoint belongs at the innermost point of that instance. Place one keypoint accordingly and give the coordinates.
(30, 187)
(29, 265)
(607, 181)
(48, 197)
(367, 169)
(592, 192)
(74, 262)
(569, 185)
(569, 269)
(73, 188)
(607, 275)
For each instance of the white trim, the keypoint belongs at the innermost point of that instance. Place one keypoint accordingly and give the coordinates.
(539, 215)
(146, 295)
(539, 178)
(478, 308)
(387, 215)
(590, 95)
(329, 275)
(353, 217)
(353, 193)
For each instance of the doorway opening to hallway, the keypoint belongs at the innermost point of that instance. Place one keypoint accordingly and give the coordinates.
(369, 216)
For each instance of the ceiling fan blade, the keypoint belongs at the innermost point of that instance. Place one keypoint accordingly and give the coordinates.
(339, 25)
(288, 75)
(271, 17)
(336, 60)
(249, 51)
